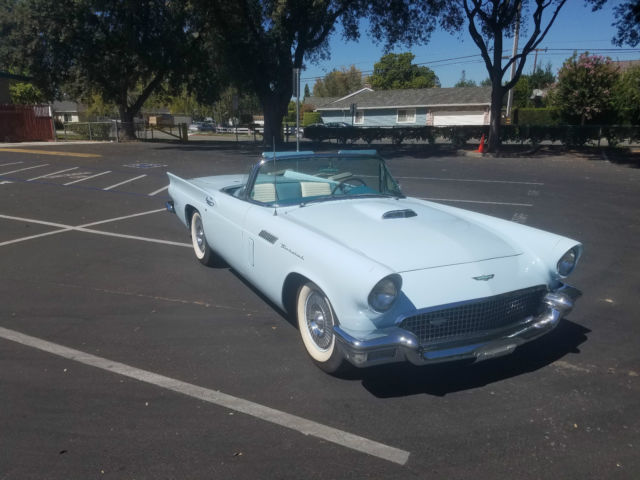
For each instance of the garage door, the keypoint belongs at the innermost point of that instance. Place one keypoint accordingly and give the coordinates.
(442, 120)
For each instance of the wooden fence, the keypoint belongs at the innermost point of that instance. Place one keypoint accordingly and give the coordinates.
(23, 123)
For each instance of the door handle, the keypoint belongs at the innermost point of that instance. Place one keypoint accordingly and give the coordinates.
(210, 201)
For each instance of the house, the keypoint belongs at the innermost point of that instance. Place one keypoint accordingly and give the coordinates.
(66, 111)
(410, 107)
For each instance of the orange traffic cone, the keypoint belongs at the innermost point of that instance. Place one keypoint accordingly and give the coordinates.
(481, 146)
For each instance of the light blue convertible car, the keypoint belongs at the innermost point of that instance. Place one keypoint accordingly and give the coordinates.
(373, 276)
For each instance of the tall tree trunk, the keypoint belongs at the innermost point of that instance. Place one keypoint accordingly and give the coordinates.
(127, 117)
(274, 105)
(497, 94)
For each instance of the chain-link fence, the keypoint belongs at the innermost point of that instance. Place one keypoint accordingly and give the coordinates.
(116, 131)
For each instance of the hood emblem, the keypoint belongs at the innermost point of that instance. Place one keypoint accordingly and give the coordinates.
(484, 278)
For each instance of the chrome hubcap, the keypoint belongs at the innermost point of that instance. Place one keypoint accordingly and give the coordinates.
(319, 320)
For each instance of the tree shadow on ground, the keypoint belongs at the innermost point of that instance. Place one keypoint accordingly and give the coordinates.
(400, 380)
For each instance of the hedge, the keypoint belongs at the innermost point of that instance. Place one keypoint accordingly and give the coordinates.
(570, 135)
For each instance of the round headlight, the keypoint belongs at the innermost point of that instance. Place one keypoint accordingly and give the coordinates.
(384, 294)
(567, 263)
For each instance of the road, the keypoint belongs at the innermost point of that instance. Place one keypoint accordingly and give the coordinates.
(122, 357)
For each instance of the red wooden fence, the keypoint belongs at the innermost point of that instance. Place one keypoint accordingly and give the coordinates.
(22, 123)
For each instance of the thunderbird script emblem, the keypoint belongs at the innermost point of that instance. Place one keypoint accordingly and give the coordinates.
(484, 278)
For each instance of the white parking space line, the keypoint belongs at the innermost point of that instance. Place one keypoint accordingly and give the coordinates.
(87, 178)
(23, 169)
(52, 173)
(9, 164)
(125, 182)
(158, 191)
(470, 180)
(83, 228)
(476, 201)
(215, 397)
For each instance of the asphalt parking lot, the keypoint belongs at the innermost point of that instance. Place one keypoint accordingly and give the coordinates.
(122, 357)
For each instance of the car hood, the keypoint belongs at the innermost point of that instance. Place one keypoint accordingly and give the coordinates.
(403, 234)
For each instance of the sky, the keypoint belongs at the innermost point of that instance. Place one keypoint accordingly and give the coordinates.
(576, 28)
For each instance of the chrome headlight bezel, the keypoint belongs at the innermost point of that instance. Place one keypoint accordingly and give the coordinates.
(385, 293)
(567, 263)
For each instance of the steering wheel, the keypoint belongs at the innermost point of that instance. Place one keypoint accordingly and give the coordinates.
(343, 184)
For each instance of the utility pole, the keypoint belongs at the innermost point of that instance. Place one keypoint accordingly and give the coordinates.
(513, 65)
(296, 87)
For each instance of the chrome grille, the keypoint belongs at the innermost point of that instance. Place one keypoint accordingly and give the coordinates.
(475, 316)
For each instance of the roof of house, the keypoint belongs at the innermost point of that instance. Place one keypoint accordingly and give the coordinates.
(68, 106)
(415, 97)
(627, 64)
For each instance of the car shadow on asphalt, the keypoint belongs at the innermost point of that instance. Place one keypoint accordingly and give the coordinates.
(400, 380)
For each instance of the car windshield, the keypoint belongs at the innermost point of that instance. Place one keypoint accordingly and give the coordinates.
(300, 179)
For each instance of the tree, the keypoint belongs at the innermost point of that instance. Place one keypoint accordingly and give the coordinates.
(122, 50)
(463, 82)
(489, 22)
(262, 40)
(339, 83)
(396, 71)
(585, 87)
(307, 92)
(25, 93)
(627, 21)
(627, 93)
(538, 80)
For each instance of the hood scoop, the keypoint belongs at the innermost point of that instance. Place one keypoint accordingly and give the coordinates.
(407, 213)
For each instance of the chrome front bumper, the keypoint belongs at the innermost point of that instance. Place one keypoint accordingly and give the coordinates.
(396, 344)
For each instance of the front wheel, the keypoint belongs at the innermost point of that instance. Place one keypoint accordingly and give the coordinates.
(316, 320)
(201, 248)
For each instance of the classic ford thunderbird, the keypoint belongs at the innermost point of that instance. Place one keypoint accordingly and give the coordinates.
(372, 276)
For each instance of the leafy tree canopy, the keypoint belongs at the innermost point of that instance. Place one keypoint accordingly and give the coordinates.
(339, 83)
(538, 80)
(396, 71)
(627, 21)
(122, 50)
(489, 23)
(463, 82)
(263, 40)
(585, 87)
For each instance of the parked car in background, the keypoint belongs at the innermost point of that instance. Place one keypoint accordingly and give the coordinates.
(372, 276)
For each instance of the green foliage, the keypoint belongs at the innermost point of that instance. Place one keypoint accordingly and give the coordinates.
(459, 136)
(627, 95)
(523, 90)
(97, 108)
(89, 131)
(584, 91)
(536, 116)
(339, 83)
(309, 118)
(395, 71)
(25, 93)
(463, 82)
(122, 50)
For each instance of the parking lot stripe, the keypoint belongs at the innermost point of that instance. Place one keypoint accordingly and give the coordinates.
(52, 173)
(87, 178)
(49, 152)
(158, 191)
(83, 228)
(470, 180)
(23, 169)
(215, 397)
(476, 201)
(8, 164)
(125, 182)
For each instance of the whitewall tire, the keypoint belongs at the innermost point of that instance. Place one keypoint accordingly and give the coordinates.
(316, 320)
(201, 248)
